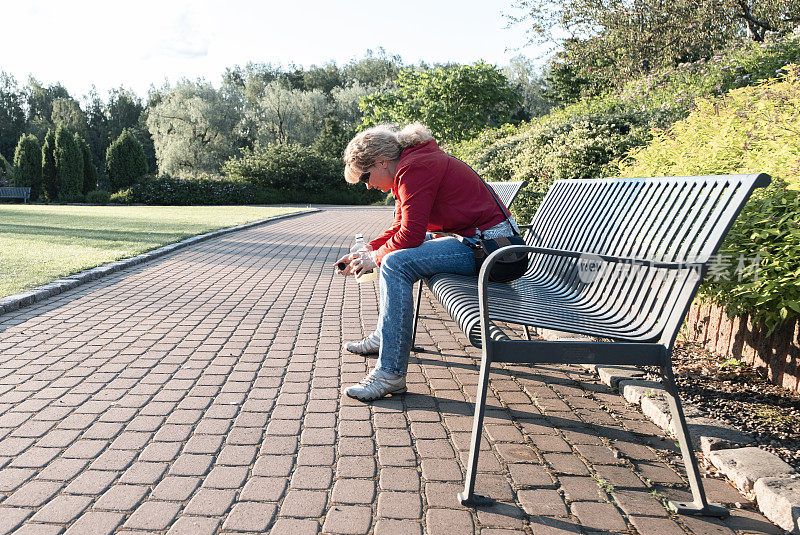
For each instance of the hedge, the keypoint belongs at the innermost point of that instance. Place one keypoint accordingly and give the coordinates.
(216, 190)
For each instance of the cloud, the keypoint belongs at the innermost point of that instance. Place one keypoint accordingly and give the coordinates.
(182, 36)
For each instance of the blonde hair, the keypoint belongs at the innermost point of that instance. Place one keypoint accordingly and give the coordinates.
(381, 141)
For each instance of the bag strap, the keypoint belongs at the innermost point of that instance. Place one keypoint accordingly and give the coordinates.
(494, 196)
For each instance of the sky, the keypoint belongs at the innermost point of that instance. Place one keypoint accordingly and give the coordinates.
(111, 44)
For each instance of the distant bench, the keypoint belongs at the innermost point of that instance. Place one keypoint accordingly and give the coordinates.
(16, 193)
(617, 260)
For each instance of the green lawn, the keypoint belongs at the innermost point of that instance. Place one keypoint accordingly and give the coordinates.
(41, 243)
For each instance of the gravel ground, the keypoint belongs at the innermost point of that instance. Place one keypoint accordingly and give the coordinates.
(732, 392)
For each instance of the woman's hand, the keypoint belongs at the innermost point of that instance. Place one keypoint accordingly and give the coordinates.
(362, 263)
(344, 266)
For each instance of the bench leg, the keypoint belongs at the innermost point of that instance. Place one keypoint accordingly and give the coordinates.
(699, 505)
(416, 313)
(528, 332)
(468, 496)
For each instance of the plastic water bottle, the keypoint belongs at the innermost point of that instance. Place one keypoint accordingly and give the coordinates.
(358, 244)
(364, 249)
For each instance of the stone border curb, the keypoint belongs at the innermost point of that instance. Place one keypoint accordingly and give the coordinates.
(773, 483)
(40, 293)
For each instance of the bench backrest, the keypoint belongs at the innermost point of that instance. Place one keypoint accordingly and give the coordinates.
(678, 220)
(506, 191)
(15, 193)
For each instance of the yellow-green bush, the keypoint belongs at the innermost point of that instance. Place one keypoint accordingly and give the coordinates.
(752, 129)
(749, 130)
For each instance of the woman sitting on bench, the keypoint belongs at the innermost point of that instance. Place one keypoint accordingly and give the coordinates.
(435, 192)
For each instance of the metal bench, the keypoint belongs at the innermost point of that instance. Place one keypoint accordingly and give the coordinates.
(506, 192)
(15, 193)
(617, 260)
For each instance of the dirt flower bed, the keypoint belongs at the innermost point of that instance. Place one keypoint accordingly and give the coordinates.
(731, 391)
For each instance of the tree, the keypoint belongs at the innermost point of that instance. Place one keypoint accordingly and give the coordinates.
(567, 81)
(378, 70)
(333, 138)
(125, 161)
(619, 39)
(244, 89)
(89, 170)
(69, 166)
(324, 78)
(12, 115)
(28, 161)
(98, 135)
(39, 104)
(68, 113)
(125, 110)
(456, 102)
(193, 128)
(49, 184)
(347, 103)
(290, 115)
(521, 73)
(762, 16)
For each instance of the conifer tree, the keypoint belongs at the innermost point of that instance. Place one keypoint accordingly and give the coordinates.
(28, 161)
(89, 170)
(69, 166)
(125, 161)
(49, 166)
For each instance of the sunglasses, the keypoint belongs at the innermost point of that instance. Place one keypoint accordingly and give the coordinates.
(364, 177)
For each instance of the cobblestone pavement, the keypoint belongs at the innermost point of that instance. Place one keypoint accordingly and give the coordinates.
(201, 393)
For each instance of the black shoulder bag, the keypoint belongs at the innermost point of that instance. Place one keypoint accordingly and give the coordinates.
(509, 266)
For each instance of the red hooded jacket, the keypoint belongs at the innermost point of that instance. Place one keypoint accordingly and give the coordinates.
(435, 192)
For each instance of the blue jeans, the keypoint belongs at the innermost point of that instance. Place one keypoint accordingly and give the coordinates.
(399, 271)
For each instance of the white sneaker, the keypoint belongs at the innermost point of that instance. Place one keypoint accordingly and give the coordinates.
(377, 385)
(368, 346)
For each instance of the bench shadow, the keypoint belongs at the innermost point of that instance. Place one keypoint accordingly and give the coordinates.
(430, 403)
(538, 375)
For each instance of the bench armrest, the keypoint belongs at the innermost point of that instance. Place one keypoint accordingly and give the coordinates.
(578, 254)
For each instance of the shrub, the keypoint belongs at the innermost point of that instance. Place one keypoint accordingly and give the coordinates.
(28, 161)
(767, 232)
(49, 184)
(580, 147)
(126, 163)
(98, 196)
(69, 167)
(89, 170)
(123, 196)
(753, 129)
(740, 65)
(299, 174)
(288, 166)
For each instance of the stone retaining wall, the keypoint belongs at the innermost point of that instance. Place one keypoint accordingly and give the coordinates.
(778, 353)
